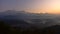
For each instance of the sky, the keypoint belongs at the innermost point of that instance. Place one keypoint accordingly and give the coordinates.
(32, 6)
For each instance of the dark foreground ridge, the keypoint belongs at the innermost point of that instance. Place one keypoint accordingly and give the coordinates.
(7, 29)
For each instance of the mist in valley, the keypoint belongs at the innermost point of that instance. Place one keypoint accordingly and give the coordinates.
(22, 22)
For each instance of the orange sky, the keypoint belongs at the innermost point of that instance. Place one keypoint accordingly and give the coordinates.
(49, 6)
(32, 6)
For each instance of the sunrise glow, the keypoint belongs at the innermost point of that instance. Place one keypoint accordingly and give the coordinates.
(51, 6)
(32, 6)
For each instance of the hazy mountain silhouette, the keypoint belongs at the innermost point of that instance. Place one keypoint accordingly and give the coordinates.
(21, 22)
(38, 20)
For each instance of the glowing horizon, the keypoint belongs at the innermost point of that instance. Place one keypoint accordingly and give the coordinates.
(32, 6)
(52, 6)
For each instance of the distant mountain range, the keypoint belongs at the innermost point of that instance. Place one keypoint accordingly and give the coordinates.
(24, 15)
(16, 18)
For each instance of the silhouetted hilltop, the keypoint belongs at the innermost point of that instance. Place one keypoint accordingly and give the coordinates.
(52, 30)
(7, 29)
